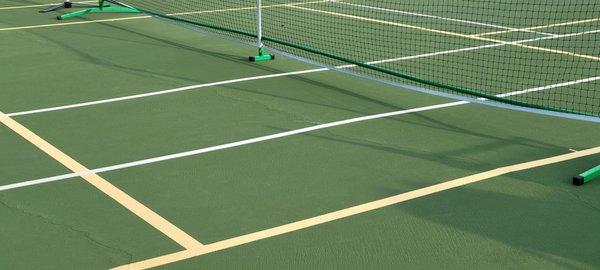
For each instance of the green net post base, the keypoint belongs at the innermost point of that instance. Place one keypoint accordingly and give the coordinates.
(96, 10)
(587, 176)
(261, 56)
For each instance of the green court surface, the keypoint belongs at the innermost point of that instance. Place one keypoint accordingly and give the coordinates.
(227, 158)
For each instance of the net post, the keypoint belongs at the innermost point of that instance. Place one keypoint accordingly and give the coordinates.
(261, 50)
(587, 176)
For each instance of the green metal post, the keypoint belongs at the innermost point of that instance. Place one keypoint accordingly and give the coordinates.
(587, 176)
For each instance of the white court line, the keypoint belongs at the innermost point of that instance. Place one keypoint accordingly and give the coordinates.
(180, 89)
(272, 137)
(40, 5)
(226, 146)
(550, 86)
(443, 18)
(192, 87)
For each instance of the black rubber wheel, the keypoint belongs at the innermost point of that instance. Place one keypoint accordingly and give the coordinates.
(577, 180)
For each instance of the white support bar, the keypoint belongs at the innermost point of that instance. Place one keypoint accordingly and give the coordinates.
(259, 23)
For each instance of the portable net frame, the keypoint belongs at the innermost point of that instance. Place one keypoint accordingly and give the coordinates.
(541, 56)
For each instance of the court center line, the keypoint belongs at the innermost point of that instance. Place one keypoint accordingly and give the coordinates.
(449, 33)
(192, 87)
(103, 185)
(41, 5)
(441, 18)
(274, 136)
(355, 210)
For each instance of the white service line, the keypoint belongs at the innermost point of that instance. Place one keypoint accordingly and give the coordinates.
(185, 88)
(192, 87)
(272, 137)
(442, 18)
(41, 5)
(224, 146)
(558, 85)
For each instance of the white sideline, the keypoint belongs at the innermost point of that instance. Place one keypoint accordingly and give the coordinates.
(273, 136)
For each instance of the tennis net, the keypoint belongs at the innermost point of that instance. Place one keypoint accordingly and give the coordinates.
(539, 55)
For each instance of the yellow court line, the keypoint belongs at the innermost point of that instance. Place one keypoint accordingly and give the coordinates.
(103, 185)
(147, 16)
(303, 224)
(536, 27)
(447, 33)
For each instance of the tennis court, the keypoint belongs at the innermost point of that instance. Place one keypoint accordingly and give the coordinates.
(131, 142)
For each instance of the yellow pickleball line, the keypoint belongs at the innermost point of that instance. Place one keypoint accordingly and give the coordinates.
(103, 185)
(355, 210)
